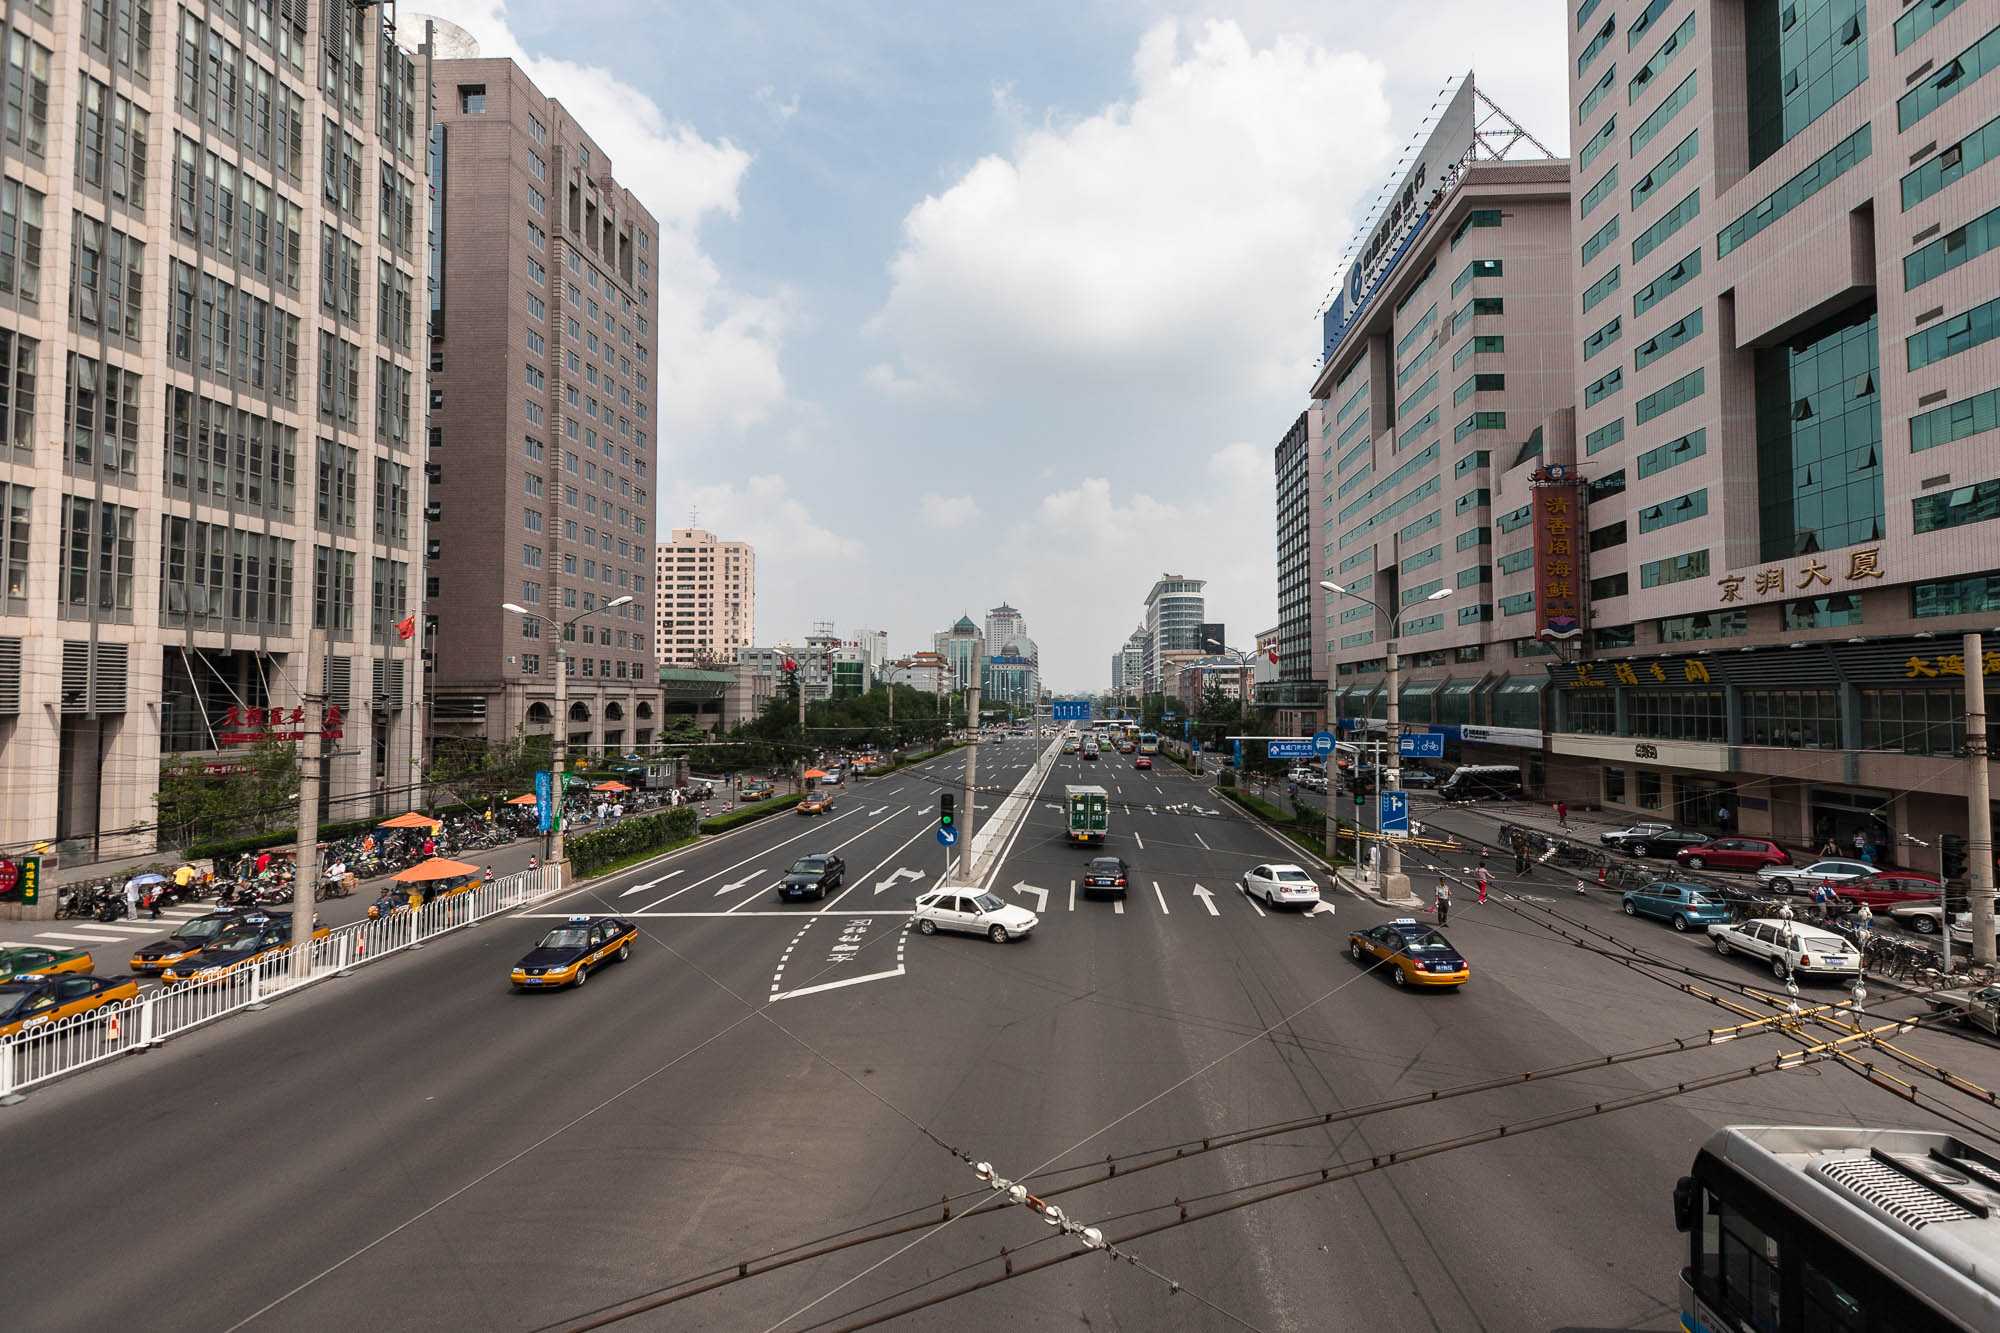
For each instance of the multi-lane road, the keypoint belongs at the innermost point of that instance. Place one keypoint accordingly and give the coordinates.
(416, 1147)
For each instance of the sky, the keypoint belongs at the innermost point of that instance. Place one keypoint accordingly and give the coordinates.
(962, 305)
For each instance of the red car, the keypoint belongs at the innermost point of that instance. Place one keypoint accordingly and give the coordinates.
(1143, 761)
(1734, 854)
(1892, 890)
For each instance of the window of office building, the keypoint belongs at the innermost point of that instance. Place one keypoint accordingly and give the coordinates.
(1975, 594)
(1677, 715)
(1594, 712)
(1918, 721)
(1819, 438)
(1821, 612)
(1802, 56)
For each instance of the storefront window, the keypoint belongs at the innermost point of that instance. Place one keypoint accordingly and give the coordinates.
(1677, 715)
(1594, 712)
(1518, 703)
(1792, 719)
(1913, 721)
(1649, 790)
(1614, 785)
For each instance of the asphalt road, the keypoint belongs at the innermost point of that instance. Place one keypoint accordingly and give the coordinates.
(417, 1147)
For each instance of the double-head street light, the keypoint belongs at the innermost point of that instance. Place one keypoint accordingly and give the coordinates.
(561, 627)
(1389, 775)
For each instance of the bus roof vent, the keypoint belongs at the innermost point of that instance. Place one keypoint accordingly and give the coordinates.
(1894, 1188)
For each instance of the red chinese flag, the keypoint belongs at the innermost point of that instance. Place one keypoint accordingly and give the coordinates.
(406, 628)
(790, 665)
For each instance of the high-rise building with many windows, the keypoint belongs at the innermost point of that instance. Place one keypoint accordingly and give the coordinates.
(542, 419)
(212, 234)
(705, 593)
(1788, 363)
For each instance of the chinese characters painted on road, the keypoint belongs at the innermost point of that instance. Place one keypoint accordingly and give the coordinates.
(1808, 578)
(1558, 562)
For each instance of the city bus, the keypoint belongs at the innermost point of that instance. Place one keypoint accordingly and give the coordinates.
(1795, 1228)
(1149, 742)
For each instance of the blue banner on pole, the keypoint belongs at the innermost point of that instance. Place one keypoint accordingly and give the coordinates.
(1290, 749)
(1236, 760)
(1422, 745)
(1323, 742)
(545, 785)
(1395, 811)
(1071, 710)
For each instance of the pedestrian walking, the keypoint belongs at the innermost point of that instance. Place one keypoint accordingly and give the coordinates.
(1722, 817)
(1482, 881)
(1829, 847)
(132, 892)
(1860, 843)
(1562, 813)
(1443, 900)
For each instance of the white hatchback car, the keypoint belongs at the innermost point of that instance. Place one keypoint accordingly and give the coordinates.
(974, 913)
(1281, 884)
(1790, 947)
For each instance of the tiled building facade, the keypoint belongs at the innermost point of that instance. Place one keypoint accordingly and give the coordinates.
(212, 230)
(706, 597)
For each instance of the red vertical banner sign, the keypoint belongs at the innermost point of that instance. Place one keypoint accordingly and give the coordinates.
(1559, 568)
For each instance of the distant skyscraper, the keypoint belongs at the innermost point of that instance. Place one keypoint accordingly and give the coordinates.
(707, 596)
(1174, 612)
(961, 646)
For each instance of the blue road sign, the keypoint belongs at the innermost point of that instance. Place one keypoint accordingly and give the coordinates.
(1290, 749)
(1424, 745)
(1322, 742)
(1168, 717)
(545, 786)
(1236, 759)
(1072, 710)
(947, 836)
(1395, 812)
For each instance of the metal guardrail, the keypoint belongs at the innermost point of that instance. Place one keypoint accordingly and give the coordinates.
(61, 1048)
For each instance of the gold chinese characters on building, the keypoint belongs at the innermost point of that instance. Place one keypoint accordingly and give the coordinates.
(1814, 574)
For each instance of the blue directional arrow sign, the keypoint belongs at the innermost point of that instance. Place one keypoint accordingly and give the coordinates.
(1071, 710)
(947, 836)
(1302, 749)
(1322, 742)
(1424, 745)
(1395, 811)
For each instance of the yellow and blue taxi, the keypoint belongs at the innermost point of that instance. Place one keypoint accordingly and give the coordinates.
(33, 1001)
(192, 936)
(1416, 953)
(20, 962)
(568, 954)
(816, 802)
(230, 951)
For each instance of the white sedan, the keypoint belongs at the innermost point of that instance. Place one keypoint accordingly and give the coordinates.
(1790, 947)
(973, 913)
(1280, 884)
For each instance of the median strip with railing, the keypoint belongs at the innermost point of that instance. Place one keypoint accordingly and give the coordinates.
(53, 1050)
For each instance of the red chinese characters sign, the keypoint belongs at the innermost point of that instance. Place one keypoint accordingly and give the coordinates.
(248, 726)
(1558, 561)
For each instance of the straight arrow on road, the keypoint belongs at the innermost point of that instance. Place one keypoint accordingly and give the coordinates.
(1207, 900)
(873, 813)
(1321, 909)
(901, 873)
(745, 882)
(649, 884)
(1041, 897)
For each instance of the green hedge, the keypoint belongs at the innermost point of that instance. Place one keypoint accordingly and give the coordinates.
(1306, 826)
(276, 840)
(749, 814)
(591, 852)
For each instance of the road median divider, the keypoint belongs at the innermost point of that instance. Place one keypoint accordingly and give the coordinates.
(749, 814)
(631, 840)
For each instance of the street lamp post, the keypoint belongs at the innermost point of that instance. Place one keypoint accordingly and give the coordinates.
(1395, 884)
(554, 850)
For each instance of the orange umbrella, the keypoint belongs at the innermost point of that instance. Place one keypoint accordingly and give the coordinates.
(434, 869)
(528, 799)
(611, 786)
(815, 773)
(411, 820)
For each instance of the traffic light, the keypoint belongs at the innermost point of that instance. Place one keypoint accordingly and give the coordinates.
(1954, 856)
(947, 810)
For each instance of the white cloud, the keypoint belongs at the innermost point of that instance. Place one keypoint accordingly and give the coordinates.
(882, 378)
(717, 348)
(767, 97)
(948, 513)
(764, 512)
(1179, 237)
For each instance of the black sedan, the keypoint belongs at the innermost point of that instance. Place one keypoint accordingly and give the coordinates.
(1105, 873)
(812, 877)
(567, 955)
(191, 937)
(233, 948)
(1665, 842)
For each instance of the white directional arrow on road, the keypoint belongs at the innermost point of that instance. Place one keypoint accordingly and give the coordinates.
(1052, 805)
(1207, 899)
(873, 813)
(1041, 896)
(649, 884)
(1321, 908)
(747, 880)
(902, 873)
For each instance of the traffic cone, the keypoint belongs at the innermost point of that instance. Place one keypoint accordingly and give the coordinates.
(361, 944)
(1600, 877)
(114, 1027)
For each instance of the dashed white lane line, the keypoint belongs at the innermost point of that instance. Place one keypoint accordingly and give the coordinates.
(1160, 893)
(1118, 907)
(1204, 843)
(1141, 841)
(1072, 895)
(777, 978)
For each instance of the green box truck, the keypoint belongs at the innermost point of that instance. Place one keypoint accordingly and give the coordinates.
(1089, 813)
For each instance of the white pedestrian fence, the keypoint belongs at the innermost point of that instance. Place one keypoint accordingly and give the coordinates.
(53, 1050)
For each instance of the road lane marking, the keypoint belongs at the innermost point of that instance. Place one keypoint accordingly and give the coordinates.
(829, 851)
(873, 813)
(693, 884)
(748, 879)
(1207, 900)
(1072, 895)
(1252, 901)
(1204, 844)
(1118, 907)
(792, 914)
(637, 888)
(1141, 841)
(1041, 896)
(1160, 893)
(896, 971)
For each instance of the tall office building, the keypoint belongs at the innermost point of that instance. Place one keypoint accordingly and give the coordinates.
(542, 423)
(1130, 675)
(961, 647)
(212, 452)
(1175, 610)
(705, 592)
(1295, 689)
(1788, 358)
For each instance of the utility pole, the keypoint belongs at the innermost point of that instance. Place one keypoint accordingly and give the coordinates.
(1332, 795)
(1979, 846)
(971, 769)
(805, 746)
(305, 877)
(559, 753)
(1395, 884)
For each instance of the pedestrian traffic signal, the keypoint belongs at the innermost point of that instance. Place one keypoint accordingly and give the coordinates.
(947, 814)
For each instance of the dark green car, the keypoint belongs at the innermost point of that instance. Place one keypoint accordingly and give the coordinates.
(20, 962)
